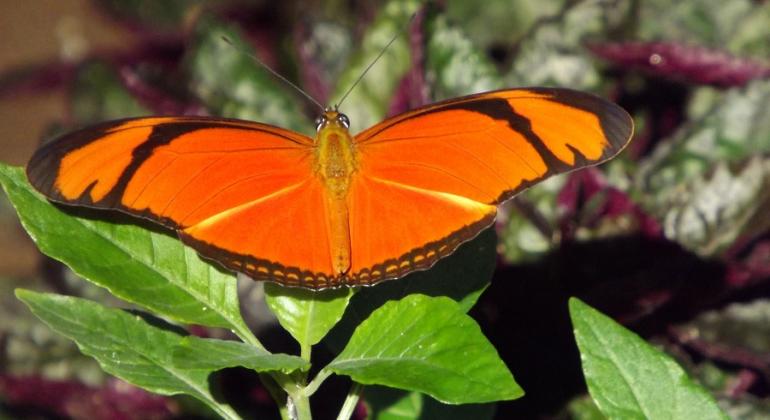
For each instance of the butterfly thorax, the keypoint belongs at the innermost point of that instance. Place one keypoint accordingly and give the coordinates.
(335, 165)
(335, 158)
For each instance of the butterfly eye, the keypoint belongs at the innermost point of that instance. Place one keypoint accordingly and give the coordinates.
(343, 119)
(320, 122)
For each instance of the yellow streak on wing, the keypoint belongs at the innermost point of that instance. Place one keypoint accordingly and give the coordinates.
(205, 223)
(459, 200)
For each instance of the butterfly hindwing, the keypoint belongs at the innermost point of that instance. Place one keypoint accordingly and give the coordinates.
(396, 229)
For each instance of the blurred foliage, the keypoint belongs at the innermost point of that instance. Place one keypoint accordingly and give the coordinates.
(368, 103)
(234, 85)
(99, 95)
(696, 174)
(739, 26)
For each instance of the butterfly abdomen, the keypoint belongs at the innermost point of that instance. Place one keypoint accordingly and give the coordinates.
(335, 166)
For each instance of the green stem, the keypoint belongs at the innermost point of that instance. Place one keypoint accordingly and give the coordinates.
(297, 402)
(304, 351)
(350, 401)
(301, 406)
(244, 333)
(311, 388)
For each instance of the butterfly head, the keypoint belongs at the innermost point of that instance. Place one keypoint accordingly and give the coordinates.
(332, 117)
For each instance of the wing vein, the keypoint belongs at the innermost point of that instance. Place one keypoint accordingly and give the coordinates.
(152, 179)
(250, 203)
(515, 153)
(244, 150)
(224, 189)
(415, 138)
(437, 169)
(422, 190)
(190, 181)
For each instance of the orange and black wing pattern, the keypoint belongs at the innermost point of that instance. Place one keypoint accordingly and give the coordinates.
(249, 195)
(430, 179)
(240, 193)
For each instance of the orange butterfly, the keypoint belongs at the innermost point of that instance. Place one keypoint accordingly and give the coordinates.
(338, 209)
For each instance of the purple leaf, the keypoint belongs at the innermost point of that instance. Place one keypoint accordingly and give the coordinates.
(588, 184)
(116, 400)
(412, 91)
(687, 63)
(154, 98)
(748, 263)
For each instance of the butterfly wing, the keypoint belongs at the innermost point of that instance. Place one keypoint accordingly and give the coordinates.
(241, 193)
(430, 179)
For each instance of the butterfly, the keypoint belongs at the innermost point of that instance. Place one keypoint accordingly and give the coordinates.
(336, 209)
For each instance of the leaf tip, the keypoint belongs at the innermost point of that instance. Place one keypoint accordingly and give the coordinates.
(575, 306)
(24, 295)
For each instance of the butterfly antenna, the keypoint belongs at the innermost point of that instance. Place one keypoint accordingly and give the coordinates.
(274, 73)
(382, 52)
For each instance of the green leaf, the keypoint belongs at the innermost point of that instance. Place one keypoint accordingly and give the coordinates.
(306, 314)
(212, 354)
(232, 84)
(584, 408)
(462, 276)
(125, 345)
(148, 268)
(393, 404)
(629, 378)
(426, 344)
(368, 102)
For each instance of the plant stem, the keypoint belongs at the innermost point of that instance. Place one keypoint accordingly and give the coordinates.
(301, 406)
(304, 351)
(351, 401)
(296, 405)
(311, 388)
(245, 334)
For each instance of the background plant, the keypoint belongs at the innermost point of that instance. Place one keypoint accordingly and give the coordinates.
(671, 239)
